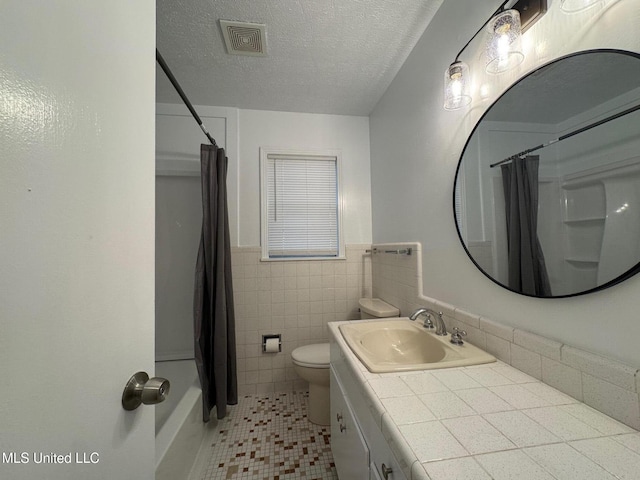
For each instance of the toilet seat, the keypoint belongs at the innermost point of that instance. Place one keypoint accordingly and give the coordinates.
(312, 356)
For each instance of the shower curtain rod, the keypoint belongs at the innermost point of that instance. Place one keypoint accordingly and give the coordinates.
(564, 137)
(186, 101)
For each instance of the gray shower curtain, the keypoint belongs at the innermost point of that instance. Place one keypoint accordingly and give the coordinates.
(527, 269)
(214, 317)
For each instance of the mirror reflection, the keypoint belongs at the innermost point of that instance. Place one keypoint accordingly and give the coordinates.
(547, 191)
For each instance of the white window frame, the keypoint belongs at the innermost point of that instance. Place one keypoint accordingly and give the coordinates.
(265, 153)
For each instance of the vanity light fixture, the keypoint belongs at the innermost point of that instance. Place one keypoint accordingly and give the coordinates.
(503, 48)
(456, 86)
(573, 6)
(504, 42)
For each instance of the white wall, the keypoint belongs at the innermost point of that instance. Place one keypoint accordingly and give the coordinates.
(410, 126)
(305, 131)
(76, 241)
(243, 132)
(313, 294)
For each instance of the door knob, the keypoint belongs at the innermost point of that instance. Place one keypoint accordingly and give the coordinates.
(142, 389)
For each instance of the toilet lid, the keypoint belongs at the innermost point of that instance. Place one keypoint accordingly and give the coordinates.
(312, 356)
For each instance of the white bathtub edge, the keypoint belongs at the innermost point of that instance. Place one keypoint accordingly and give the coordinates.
(179, 439)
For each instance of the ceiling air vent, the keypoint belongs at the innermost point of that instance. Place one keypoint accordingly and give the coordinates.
(244, 38)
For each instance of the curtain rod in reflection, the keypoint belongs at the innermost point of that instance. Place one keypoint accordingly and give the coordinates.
(183, 96)
(564, 137)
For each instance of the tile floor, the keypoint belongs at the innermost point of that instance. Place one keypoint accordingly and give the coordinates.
(269, 437)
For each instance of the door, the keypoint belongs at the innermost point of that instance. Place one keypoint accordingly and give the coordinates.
(76, 237)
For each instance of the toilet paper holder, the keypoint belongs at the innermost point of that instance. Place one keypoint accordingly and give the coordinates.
(271, 337)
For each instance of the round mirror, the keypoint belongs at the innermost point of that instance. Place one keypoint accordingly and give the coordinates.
(547, 191)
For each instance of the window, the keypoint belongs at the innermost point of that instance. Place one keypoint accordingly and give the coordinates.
(300, 205)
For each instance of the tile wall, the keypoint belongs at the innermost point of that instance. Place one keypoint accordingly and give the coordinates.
(602, 383)
(295, 299)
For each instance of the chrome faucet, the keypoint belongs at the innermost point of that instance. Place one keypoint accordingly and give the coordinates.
(441, 328)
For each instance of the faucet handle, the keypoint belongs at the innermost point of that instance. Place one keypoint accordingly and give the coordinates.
(456, 336)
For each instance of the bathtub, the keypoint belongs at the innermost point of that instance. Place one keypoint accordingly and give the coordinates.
(179, 426)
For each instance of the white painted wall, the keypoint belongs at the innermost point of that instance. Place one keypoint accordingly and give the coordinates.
(305, 131)
(424, 142)
(243, 132)
(77, 232)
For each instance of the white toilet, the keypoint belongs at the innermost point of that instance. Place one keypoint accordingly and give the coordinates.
(311, 362)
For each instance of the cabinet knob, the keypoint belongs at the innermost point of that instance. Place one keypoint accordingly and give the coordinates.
(342, 427)
(386, 471)
(339, 417)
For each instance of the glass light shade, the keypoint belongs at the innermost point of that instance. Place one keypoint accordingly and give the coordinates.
(456, 86)
(572, 6)
(504, 42)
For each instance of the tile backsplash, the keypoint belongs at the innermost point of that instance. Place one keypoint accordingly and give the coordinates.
(605, 384)
(298, 298)
(295, 299)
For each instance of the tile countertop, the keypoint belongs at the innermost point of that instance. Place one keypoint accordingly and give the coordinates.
(491, 421)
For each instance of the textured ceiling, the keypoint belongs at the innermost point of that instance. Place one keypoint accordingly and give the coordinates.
(324, 56)
(568, 87)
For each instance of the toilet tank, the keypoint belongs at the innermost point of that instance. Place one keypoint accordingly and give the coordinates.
(376, 308)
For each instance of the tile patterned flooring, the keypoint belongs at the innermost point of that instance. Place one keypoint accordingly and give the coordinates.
(269, 437)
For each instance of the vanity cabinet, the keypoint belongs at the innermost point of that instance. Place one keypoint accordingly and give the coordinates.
(350, 451)
(359, 448)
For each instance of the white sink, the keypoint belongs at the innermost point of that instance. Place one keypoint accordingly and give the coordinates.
(398, 344)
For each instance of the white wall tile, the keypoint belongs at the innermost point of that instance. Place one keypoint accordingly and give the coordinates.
(287, 298)
(601, 367)
(550, 394)
(630, 440)
(537, 344)
(601, 422)
(498, 347)
(563, 377)
(611, 399)
(527, 361)
(499, 330)
(467, 317)
(534, 356)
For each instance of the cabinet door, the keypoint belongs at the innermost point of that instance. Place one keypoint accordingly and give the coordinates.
(374, 473)
(383, 462)
(350, 451)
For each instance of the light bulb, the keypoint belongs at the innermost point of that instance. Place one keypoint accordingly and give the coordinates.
(456, 86)
(503, 48)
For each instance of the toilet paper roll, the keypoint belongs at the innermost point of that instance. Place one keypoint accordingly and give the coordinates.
(272, 345)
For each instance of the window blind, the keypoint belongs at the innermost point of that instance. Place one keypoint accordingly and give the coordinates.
(302, 206)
